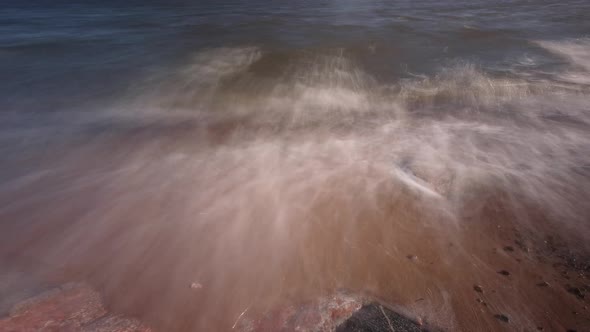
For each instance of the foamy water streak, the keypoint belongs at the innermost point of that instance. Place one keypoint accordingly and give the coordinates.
(267, 189)
(577, 52)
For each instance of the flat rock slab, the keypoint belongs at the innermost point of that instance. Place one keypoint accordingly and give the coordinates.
(70, 307)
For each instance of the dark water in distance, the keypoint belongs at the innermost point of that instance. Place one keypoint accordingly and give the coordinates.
(61, 53)
(273, 151)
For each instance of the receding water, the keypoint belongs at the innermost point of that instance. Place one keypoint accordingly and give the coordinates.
(276, 151)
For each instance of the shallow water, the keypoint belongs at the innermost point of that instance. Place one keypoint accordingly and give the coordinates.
(274, 152)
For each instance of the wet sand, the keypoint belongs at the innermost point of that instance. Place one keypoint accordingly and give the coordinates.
(157, 250)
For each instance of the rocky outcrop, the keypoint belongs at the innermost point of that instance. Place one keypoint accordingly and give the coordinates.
(70, 307)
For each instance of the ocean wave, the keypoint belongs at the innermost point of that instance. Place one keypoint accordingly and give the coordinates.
(319, 178)
(577, 53)
(331, 86)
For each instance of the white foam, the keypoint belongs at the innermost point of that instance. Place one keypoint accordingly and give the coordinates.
(577, 52)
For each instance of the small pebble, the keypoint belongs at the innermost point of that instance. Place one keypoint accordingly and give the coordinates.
(577, 292)
(196, 285)
(543, 284)
(503, 318)
(412, 257)
(482, 302)
(478, 288)
(504, 273)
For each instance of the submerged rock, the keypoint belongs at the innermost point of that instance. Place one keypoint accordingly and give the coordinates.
(375, 317)
(578, 292)
(340, 312)
(70, 307)
(502, 317)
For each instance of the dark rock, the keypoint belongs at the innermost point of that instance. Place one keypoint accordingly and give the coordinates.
(543, 284)
(374, 317)
(502, 317)
(577, 292)
(478, 288)
(540, 328)
(504, 273)
(509, 248)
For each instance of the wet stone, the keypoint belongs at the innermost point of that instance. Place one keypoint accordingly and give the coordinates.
(69, 307)
(375, 317)
(577, 292)
(115, 324)
(322, 314)
(340, 312)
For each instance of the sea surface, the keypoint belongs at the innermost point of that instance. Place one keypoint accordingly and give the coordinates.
(273, 152)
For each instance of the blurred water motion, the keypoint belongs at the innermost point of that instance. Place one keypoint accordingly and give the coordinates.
(194, 159)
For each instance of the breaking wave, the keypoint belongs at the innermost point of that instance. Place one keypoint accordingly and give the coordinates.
(266, 188)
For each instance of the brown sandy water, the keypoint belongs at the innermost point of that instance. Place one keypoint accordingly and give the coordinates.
(452, 198)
